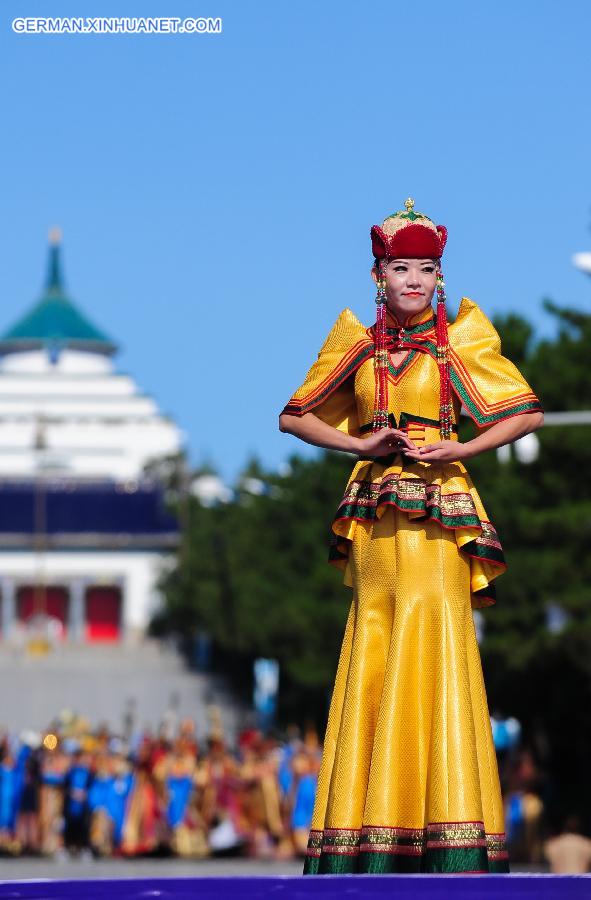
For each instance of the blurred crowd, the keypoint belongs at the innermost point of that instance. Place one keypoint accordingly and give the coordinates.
(77, 791)
(540, 830)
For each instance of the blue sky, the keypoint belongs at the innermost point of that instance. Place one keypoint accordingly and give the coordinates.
(216, 191)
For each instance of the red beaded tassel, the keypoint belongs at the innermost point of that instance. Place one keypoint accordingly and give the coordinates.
(445, 404)
(380, 413)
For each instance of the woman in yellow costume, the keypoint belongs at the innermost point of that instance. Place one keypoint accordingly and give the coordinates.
(409, 779)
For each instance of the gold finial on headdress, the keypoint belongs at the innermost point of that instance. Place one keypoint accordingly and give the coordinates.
(409, 203)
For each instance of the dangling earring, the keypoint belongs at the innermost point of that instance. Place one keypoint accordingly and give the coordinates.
(380, 413)
(445, 405)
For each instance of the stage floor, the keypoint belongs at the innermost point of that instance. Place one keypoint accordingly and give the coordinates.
(522, 886)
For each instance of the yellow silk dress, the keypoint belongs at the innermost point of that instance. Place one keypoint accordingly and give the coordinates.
(409, 779)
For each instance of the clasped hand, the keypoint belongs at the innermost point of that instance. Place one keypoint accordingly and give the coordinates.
(439, 451)
(389, 440)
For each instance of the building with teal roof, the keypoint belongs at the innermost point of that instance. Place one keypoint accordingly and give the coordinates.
(84, 530)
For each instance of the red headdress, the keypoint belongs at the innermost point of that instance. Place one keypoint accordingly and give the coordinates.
(409, 234)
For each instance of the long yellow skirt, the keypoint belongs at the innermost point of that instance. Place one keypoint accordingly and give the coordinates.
(409, 779)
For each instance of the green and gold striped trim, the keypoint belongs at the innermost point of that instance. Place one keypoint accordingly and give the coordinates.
(362, 499)
(497, 416)
(439, 847)
(299, 407)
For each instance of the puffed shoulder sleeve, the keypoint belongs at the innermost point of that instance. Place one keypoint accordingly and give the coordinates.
(327, 389)
(489, 385)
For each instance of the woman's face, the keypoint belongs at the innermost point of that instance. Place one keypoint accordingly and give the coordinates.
(410, 284)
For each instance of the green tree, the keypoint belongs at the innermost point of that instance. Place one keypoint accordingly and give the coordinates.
(543, 515)
(255, 576)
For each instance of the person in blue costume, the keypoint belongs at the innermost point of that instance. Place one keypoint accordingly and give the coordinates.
(9, 799)
(179, 789)
(101, 825)
(120, 788)
(107, 801)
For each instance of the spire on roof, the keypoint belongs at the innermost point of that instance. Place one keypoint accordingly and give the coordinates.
(54, 268)
(55, 322)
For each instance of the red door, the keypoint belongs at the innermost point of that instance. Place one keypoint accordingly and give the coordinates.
(46, 600)
(103, 614)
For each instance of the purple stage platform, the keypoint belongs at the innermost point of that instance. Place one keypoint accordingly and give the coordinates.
(311, 887)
